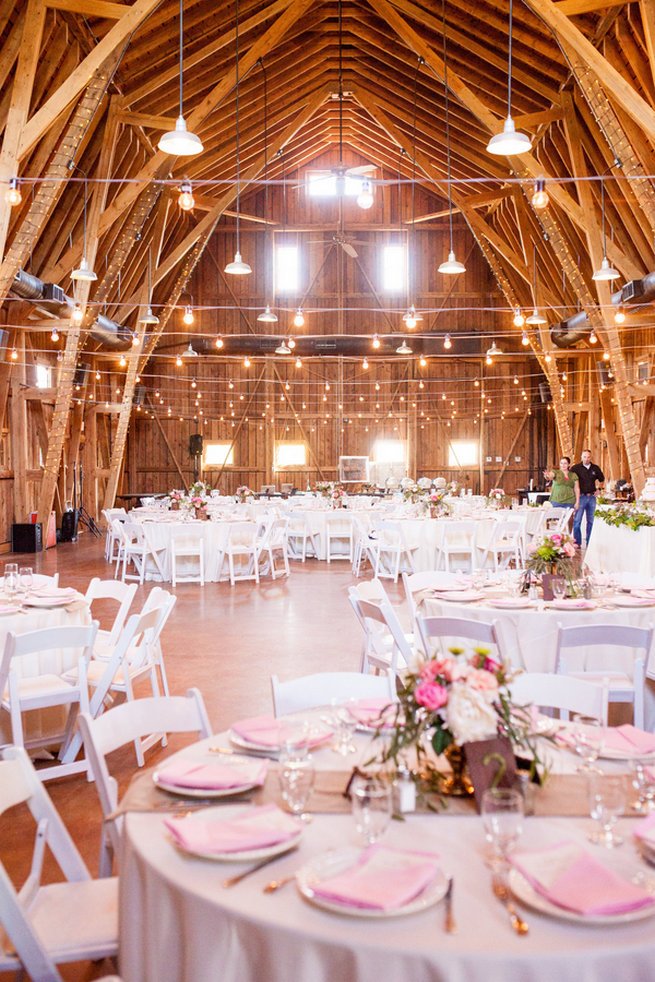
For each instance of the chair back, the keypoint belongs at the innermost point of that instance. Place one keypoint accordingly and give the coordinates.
(379, 620)
(311, 691)
(457, 628)
(31, 645)
(116, 590)
(561, 692)
(604, 636)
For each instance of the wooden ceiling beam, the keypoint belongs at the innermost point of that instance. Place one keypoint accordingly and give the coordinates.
(91, 8)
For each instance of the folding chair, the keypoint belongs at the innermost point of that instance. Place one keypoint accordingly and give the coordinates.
(561, 692)
(311, 691)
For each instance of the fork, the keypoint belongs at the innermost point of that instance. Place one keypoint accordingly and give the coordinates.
(501, 890)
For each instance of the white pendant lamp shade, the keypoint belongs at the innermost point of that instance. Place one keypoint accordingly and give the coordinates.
(238, 267)
(149, 317)
(536, 318)
(606, 271)
(180, 142)
(509, 142)
(282, 349)
(189, 353)
(493, 350)
(84, 274)
(403, 349)
(451, 266)
(267, 316)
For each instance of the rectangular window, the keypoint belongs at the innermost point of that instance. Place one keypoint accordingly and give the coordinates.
(463, 453)
(389, 452)
(394, 268)
(287, 269)
(290, 455)
(218, 454)
(43, 376)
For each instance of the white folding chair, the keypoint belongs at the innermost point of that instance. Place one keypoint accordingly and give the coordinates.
(158, 597)
(458, 542)
(391, 550)
(300, 535)
(112, 539)
(338, 536)
(562, 692)
(417, 583)
(434, 632)
(560, 521)
(607, 641)
(321, 689)
(504, 544)
(187, 543)
(242, 543)
(125, 724)
(74, 919)
(274, 543)
(117, 592)
(363, 548)
(384, 639)
(25, 684)
(136, 549)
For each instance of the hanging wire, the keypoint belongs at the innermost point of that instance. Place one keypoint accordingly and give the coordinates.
(413, 250)
(509, 79)
(340, 88)
(266, 227)
(445, 82)
(237, 108)
(181, 49)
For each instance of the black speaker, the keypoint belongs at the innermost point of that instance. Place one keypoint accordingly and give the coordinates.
(544, 392)
(603, 373)
(27, 538)
(69, 520)
(195, 444)
(82, 369)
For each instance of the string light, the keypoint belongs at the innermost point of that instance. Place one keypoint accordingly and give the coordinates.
(123, 361)
(422, 362)
(55, 334)
(246, 362)
(14, 355)
(365, 364)
(13, 196)
(592, 338)
(178, 361)
(298, 362)
(77, 314)
(540, 197)
(97, 376)
(219, 341)
(135, 339)
(186, 201)
(376, 341)
(299, 319)
(291, 344)
(447, 343)
(525, 340)
(194, 384)
(519, 319)
(619, 316)
(187, 316)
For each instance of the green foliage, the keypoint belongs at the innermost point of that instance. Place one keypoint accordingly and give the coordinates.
(626, 516)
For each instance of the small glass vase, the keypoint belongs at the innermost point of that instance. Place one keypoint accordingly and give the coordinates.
(458, 783)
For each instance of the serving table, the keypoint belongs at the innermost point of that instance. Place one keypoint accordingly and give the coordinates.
(614, 549)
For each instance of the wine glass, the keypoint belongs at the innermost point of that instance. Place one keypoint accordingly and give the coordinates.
(642, 771)
(10, 581)
(502, 816)
(558, 586)
(26, 578)
(370, 796)
(606, 805)
(588, 739)
(296, 776)
(345, 725)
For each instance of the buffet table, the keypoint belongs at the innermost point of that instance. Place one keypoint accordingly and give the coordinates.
(621, 550)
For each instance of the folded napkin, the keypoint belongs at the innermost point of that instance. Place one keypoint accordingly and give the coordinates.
(256, 828)
(630, 600)
(643, 593)
(465, 596)
(645, 830)
(381, 879)
(214, 776)
(570, 877)
(53, 592)
(575, 603)
(373, 712)
(270, 732)
(509, 602)
(629, 739)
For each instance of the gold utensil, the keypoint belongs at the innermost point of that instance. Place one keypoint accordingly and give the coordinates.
(501, 890)
(232, 880)
(276, 884)
(449, 923)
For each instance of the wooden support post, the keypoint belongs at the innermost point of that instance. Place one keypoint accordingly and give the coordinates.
(18, 429)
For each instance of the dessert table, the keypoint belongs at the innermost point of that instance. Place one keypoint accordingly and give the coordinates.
(178, 923)
(621, 550)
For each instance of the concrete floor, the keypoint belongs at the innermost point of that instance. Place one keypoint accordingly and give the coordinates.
(225, 640)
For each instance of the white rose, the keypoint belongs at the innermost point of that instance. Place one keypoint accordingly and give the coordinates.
(469, 714)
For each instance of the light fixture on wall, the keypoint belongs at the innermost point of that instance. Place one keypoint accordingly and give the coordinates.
(237, 267)
(509, 142)
(186, 201)
(540, 197)
(450, 266)
(149, 317)
(180, 142)
(13, 196)
(606, 271)
(535, 317)
(84, 273)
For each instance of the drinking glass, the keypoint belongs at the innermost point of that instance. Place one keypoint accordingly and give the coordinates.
(589, 737)
(26, 578)
(370, 796)
(345, 725)
(558, 586)
(502, 816)
(11, 579)
(642, 771)
(606, 805)
(296, 776)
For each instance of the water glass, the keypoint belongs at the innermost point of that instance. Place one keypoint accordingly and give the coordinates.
(345, 725)
(589, 738)
(558, 586)
(296, 776)
(26, 578)
(606, 805)
(370, 797)
(10, 580)
(502, 812)
(642, 770)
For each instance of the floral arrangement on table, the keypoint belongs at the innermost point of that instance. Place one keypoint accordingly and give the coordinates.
(325, 488)
(176, 499)
(436, 502)
(337, 493)
(200, 490)
(243, 492)
(452, 701)
(496, 494)
(554, 553)
(453, 487)
(411, 490)
(626, 516)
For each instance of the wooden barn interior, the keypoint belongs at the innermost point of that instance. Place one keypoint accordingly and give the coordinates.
(344, 157)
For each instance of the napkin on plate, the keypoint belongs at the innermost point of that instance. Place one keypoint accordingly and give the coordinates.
(630, 739)
(270, 732)
(643, 593)
(53, 592)
(214, 776)
(575, 603)
(517, 602)
(645, 830)
(373, 712)
(381, 879)
(631, 600)
(459, 595)
(570, 877)
(256, 828)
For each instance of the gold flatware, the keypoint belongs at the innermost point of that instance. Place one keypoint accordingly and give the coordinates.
(450, 926)
(276, 884)
(501, 890)
(233, 880)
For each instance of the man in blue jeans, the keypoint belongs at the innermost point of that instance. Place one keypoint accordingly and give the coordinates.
(590, 477)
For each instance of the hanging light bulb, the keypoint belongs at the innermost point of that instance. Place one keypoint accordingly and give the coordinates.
(410, 318)
(525, 340)
(606, 271)
(178, 361)
(267, 316)
(516, 380)
(564, 376)
(606, 356)
(592, 338)
(230, 384)
(194, 384)
(186, 201)
(488, 361)
(509, 142)
(298, 362)
(365, 364)
(291, 343)
(519, 319)
(547, 358)
(77, 314)
(97, 376)
(376, 341)
(540, 197)
(14, 355)
(422, 361)
(13, 196)
(135, 339)
(365, 196)
(476, 383)
(55, 334)
(447, 343)
(187, 316)
(377, 386)
(299, 320)
(619, 316)
(84, 273)
(219, 341)
(123, 361)
(246, 362)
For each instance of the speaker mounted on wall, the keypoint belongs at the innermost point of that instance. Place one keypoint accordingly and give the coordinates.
(195, 444)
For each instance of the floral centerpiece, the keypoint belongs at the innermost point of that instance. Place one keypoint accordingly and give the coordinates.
(436, 500)
(200, 489)
(176, 499)
(337, 494)
(552, 554)
(324, 488)
(449, 702)
(243, 492)
(496, 494)
(410, 489)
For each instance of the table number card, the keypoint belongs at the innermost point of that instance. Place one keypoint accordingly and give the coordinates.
(491, 764)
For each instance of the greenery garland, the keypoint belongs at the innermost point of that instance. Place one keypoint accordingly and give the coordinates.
(626, 517)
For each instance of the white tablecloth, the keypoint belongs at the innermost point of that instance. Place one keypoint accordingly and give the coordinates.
(621, 550)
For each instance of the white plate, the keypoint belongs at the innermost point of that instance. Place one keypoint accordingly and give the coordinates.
(509, 604)
(568, 605)
(247, 855)
(528, 896)
(332, 863)
(6, 609)
(460, 597)
(206, 792)
(629, 601)
(49, 601)
(266, 750)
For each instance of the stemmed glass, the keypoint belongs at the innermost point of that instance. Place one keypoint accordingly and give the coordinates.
(370, 796)
(10, 582)
(558, 586)
(296, 776)
(589, 737)
(643, 781)
(345, 725)
(26, 578)
(502, 811)
(606, 805)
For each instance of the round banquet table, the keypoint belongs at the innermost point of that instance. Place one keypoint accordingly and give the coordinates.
(179, 924)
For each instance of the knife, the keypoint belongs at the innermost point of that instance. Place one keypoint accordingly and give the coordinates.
(449, 923)
(233, 880)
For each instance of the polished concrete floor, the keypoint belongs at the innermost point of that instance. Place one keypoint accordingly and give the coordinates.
(225, 640)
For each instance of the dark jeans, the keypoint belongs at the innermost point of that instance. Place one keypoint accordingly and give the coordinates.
(587, 507)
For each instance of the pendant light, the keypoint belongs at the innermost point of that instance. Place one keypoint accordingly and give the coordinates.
(237, 267)
(149, 317)
(451, 267)
(535, 317)
(403, 348)
(84, 273)
(606, 271)
(13, 196)
(179, 142)
(509, 142)
(267, 317)
(282, 348)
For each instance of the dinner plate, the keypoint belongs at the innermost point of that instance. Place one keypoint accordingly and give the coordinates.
(246, 855)
(187, 792)
(460, 596)
(572, 605)
(333, 863)
(47, 602)
(9, 608)
(268, 750)
(628, 600)
(527, 895)
(519, 603)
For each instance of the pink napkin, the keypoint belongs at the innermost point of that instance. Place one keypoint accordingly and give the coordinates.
(646, 830)
(572, 878)
(53, 592)
(381, 879)
(630, 600)
(214, 776)
(510, 602)
(270, 732)
(459, 595)
(256, 828)
(643, 593)
(373, 712)
(629, 739)
(575, 603)
(8, 608)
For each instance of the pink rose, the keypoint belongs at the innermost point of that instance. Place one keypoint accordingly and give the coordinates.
(430, 671)
(569, 549)
(431, 695)
(556, 538)
(481, 681)
(491, 666)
